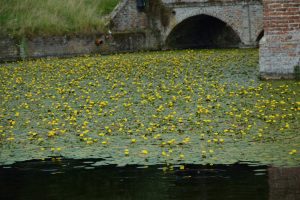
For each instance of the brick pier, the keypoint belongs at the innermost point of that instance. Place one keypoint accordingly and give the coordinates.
(280, 47)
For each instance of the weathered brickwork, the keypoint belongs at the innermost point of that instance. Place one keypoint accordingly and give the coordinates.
(280, 47)
(244, 17)
(59, 45)
(126, 17)
(9, 49)
(64, 46)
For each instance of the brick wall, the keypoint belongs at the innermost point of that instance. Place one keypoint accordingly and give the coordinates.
(127, 18)
(280, 47)
(244, 17)
(64, 46)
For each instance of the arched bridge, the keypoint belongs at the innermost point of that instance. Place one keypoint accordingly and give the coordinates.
(190, 23)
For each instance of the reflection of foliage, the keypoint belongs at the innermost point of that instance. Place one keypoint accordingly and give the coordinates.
(177, 107)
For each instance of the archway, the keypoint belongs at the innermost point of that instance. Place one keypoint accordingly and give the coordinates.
(202, 31)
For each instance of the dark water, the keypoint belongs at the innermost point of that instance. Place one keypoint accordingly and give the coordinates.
(77, 180)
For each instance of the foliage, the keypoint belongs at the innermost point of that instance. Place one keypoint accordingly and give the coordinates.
(175, 107)
(53, 17)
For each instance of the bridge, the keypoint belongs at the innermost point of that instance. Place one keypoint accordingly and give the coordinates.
(191, 23)
(274, 25)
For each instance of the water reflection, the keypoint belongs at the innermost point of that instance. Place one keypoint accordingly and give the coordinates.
(80, 180)
(284, 183)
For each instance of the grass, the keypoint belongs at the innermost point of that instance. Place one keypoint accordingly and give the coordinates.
(197, 107)
(53, 17)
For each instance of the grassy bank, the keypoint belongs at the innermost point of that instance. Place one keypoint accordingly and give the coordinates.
(196, 107)
(53, 17)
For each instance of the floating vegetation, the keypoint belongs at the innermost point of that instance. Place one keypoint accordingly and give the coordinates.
(175, 107)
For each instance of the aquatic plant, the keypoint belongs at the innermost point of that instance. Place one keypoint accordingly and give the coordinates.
(201, 107)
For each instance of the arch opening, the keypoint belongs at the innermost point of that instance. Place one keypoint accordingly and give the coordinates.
(202, 31)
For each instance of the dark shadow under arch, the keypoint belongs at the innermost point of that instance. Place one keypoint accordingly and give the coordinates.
(202, 31)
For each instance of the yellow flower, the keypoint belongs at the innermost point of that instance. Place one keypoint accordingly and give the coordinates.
(145, 152)
(157, 136)
(186, 140)
(10, 139)
(144, 137)
(51, 133)
(133, 140)
(89, 142)
(126, 152)
(171, 141)
(103, 104)
(101, 134)
(19, 80)
(104, 142)
(292, 152)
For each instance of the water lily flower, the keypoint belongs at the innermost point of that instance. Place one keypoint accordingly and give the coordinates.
(145, 152)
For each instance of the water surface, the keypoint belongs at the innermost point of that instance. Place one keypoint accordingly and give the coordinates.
(80, 180)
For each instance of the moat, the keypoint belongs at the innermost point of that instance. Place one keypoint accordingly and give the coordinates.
(80, 180)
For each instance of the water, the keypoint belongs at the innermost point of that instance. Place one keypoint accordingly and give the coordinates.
(79, 180)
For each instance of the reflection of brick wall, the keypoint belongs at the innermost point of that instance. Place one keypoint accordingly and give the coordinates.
(280, 48)
(284, 183)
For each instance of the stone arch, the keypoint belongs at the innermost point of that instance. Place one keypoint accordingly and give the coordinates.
(260, 35)
(202, 31)
(228, 16)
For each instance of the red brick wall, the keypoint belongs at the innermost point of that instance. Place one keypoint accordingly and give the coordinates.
(280, 48)
(281, 16)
